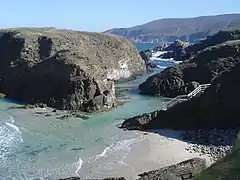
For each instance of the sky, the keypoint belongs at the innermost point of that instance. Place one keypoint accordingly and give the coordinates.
(100, 15)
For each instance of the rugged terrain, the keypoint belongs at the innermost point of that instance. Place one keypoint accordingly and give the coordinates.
(208, 60)
(226, 168)
(209, 119)
(185, 29)
(65, 69)
(216, 108)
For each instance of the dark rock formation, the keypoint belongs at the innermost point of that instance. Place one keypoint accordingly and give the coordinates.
(146, 55)
(176, 50)
(65, 69)
(216, 108)
(218, 38)
(181, 51)
(206, 65)
(177, 45)
(160, 47)
(185, 170)
(78, 178)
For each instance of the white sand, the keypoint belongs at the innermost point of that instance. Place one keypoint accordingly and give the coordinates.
(158, 150)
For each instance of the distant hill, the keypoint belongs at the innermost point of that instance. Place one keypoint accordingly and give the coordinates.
(185, 29)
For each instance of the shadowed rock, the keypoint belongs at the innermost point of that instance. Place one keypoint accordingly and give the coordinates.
(217, 107)
(65, 69)
(206, 65)
(185, 170)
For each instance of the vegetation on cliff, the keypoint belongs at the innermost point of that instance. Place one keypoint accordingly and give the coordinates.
(65, 69)
(226, 168)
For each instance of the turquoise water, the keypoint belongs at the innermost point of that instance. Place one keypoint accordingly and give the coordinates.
(35, 146)
(145, 46)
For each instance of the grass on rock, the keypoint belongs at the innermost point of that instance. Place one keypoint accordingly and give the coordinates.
(227, 168)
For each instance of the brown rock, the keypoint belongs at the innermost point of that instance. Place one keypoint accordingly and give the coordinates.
(65, 69)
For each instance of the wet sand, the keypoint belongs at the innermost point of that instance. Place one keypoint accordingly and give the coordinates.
(159, 149)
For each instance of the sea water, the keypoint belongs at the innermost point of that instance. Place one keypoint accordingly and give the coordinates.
(34, 146)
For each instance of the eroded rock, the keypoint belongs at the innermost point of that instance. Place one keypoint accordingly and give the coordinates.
(65, 69)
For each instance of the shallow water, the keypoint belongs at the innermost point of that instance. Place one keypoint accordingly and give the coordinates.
(35, 146)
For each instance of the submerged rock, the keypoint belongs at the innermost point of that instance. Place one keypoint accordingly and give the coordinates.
(65, 69)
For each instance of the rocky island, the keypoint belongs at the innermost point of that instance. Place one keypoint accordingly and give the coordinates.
(65, 69)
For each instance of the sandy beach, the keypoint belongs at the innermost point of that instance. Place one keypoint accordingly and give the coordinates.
(159, 149)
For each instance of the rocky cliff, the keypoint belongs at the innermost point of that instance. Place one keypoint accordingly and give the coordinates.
(182, 79)
(65, 69)
(216, 108)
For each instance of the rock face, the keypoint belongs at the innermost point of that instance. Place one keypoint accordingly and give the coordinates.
(185, 170)
(65, 69)
(176, 50)
(176, 45)
(218, 38)
(146, 55)
(217, 107)
(206, 65)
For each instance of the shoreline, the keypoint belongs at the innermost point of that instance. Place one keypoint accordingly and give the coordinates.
(156, 151)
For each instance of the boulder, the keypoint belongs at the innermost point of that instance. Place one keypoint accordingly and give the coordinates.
(65, 69)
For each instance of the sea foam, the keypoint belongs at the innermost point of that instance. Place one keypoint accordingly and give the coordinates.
(79, 165)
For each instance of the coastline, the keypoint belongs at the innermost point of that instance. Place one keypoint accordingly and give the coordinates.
(156, 151)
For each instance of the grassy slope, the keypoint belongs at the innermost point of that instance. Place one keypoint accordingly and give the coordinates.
(166, 29)
(227, 168)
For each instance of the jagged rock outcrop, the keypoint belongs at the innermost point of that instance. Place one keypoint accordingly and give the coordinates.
(65, 69)
(206, 65)
(146, 55)
(176, 45)
(217, 107)
(176, 50)
(218, 38)
(160, 47)
(185, 170)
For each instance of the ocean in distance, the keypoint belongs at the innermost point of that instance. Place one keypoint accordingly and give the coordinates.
(144, 46)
